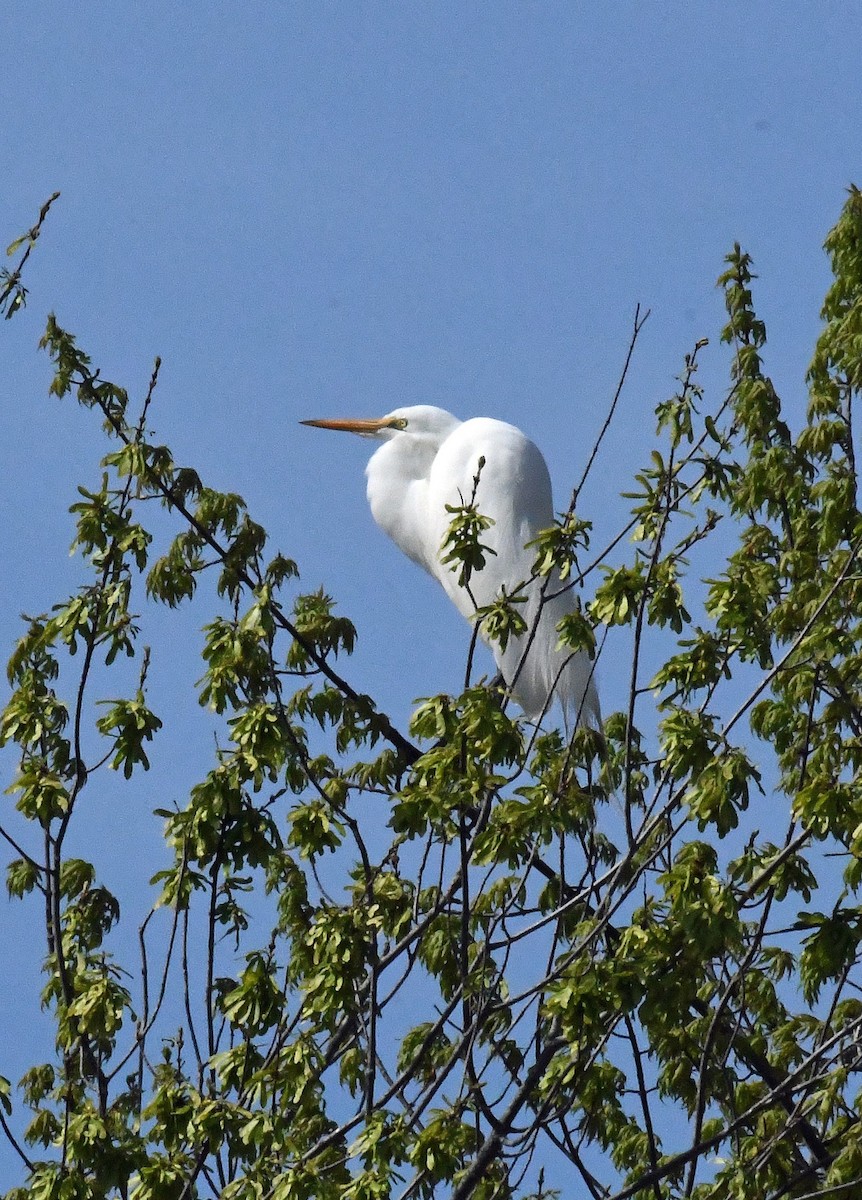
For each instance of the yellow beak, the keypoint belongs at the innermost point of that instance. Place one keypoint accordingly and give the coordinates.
(365, 426)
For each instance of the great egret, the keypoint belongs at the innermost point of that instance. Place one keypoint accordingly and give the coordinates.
(429, 459)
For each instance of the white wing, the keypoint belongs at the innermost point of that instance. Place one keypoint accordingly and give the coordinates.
(515, 492)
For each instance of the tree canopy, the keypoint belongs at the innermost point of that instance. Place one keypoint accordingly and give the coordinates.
(470, 958)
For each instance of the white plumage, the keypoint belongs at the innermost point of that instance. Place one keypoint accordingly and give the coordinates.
(428, 460)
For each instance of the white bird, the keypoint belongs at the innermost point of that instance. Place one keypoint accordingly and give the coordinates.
(428, 460)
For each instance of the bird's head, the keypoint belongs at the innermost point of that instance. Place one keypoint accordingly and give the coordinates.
(418, 420)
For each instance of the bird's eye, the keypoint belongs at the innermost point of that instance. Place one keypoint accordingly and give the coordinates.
(398, 423)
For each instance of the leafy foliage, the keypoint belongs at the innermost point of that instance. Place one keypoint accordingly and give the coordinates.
(568, 955)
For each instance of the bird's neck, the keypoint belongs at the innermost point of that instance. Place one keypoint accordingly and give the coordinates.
(397, 493)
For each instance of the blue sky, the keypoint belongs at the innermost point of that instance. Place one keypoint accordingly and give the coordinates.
(317, 209)
(320, 209)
